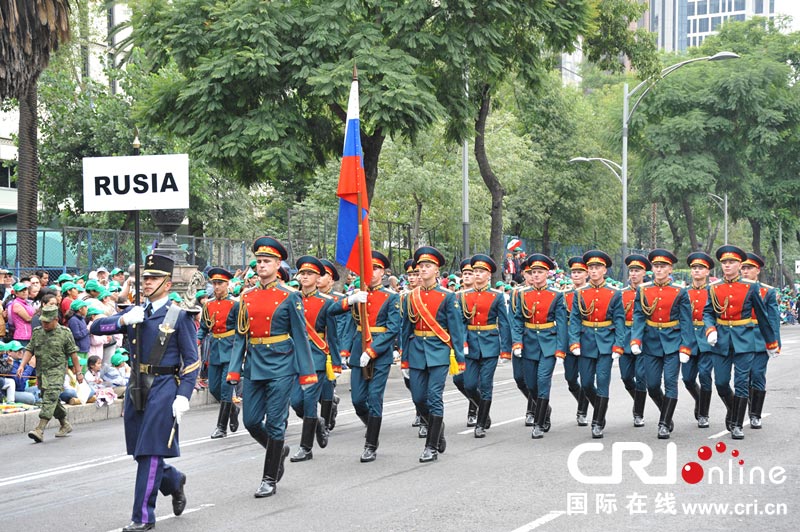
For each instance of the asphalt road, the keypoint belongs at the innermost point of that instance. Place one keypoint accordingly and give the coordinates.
(504, 482)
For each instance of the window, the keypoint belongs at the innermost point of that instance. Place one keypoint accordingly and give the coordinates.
(702, 7)
(699, 41)
(714, 6)
(688, 26)
(703, 25)
(715, 23)
(690, 9)
(738, 5)
(738, 17)
(771, 7)
(759, 9)
(7, 173)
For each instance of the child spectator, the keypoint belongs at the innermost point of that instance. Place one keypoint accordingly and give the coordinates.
(8, 386)
(118, 372)
(77, 324)
(70, 393)
(96, 343)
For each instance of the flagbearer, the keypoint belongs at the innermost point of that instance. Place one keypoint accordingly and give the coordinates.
(701, 362)
(271, 328)
(662, 332)
(540, 333)
(321, 331)
(433, 343)
(383, 320)
(751, 268)
(631, 367)
(488, 337)
(218, 321)
(578, 273)
(467, 282)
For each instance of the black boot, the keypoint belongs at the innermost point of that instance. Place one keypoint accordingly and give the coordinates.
(665, 421)
(272, 464)
(325, 408)
(756, 404)
(234, 418)
(658, 398)
(417, 421)
(363, 418)
(371, 445)
(547, 424)
(442, 442)
(739, 411)
(423, 427)
(599, 417)
(729, 413)
(583, 408)
(431, 451)
(639, 400)
(331, 421)
(306, 441)
(472, 413)
(631, 392)
(702, 411)
(322, 433)
(483, 415)
(694, 391)
(530, 411)
(222, 421)
(542, 410)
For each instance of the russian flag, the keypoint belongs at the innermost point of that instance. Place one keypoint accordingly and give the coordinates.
(352, 182)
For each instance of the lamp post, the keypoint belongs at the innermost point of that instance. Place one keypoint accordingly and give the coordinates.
(722, 203)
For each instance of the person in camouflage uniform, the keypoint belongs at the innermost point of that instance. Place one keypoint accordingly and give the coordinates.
(51, 344)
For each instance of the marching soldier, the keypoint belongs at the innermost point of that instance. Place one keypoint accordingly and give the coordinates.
(412, 271)
(662, 333)
(321, 330)
(540, 334)
(517, 368)
(631, 367)
(271, 328)
(383, 322)
(218, 321)
(596, 330)
(433, 341)
(700, 363)
(158, 396)
(751, 268)
(728, 317)
(488, 337)
(467, 281)
(578, 273)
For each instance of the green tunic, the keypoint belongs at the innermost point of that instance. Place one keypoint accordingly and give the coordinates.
(52, 349)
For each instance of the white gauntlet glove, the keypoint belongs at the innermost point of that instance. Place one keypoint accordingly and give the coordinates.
(179, 406)
(133, 316)
(636, 349)
(357, 297)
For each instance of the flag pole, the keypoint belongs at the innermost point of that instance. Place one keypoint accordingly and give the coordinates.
(366, 372)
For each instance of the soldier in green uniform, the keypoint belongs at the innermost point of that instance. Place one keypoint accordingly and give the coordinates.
(51, 344)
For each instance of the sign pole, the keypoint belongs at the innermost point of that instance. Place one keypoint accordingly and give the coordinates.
(137, 261)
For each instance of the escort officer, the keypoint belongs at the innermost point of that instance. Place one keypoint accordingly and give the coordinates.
(728, 317)
(432, 338)
(517, 366)
(321, 330)
(539, 334)
(596, 330)
(329, 401)
(578, 273)
(52, 345)
(218, 322)
(662, 333)
(383, 323)
(488, 337)
(271, 328)
(467, 282)
(412, 272)
(751, 268)
(701, 362)
(168, 365)
(631, 367)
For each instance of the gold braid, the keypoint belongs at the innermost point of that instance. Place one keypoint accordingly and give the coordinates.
(648, 310)
(719, 309)
(208, 321)
(467, 313)
(585, 312)
(243, 322)
(526, 313)
(412, 317)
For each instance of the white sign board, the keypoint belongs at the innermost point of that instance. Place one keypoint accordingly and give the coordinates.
(136, 183)
(797, 266)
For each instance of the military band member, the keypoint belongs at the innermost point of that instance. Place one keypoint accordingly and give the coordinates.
(728, 317)
(345, 329)
(540, 334)
(701, 362)
(321, 331)
(170, 373)
(218, 322)
(467, 281)
(433, 341)
(578, 273)
(517, 365)
(662, 333)
(383, 322)
(596, 330)
(751, 268)
(271, 329)
(488, 337)
(631, 367)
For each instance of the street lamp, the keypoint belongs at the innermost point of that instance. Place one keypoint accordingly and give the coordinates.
(645, 87)
(722, 203)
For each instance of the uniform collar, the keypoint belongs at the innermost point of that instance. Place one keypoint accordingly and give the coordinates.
(427, 288)
(375, 288)
(699, 287)
(601, 285)
(314, 291)
(271, 284)
(538, 289)
(484, 289)
(666, 283)
(734, 280)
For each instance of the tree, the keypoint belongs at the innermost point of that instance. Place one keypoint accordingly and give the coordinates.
(30, 32)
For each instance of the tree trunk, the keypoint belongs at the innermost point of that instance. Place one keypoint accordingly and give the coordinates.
(27, 179)
(372, 145)
(687, 213)
(677, 239)
(546, 237)
(787, 275)
(653, 225)
(756, 226)
(417, 220)
(491, 181)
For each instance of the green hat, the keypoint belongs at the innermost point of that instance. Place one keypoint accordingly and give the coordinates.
(3, 347)
(499, 284)
(15, 345)
(248, 275)
(200, 294)
(81, 361)
(66, 287)
(94, 311)
(293, 284)
(93, 285)
(173, 296)
(19, 287)
(49, 313)
(115, 271)
(253, 264)
(85, 277)
(509, 287)
(103, 294)
(113, 286)
(78, 304)
(63, 278)
(118, 357)
(53, 287)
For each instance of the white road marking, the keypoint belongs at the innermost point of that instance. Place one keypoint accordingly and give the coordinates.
(165, 517)
(546, 518)
(724, 432)
(506, 422)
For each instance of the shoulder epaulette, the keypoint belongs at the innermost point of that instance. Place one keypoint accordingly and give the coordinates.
(644, 285)
(496, 291)
(288, 288)
(248, 290)
(742, 279)
(584, 287)
(445, 289)
(714, 283)
(768, 287)
(324, 296)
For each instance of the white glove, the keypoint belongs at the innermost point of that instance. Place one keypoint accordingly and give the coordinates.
(684, 358)
(357, 297)
(636, 349)
(179, 406)
(305, 387)
(773, 352)
(406, 373)
(466, 350)
(133, 316)
(365, 359)
(517, 352)
(576, 351)
(614, 355)
(712, 338)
